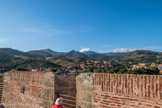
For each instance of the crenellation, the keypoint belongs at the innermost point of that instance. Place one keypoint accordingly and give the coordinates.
(84, 91)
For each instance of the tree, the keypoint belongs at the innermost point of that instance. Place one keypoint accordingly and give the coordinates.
(123, 70)
(90, 69)
(53, 70)
(133, 71)
(149, 71)
(76, 67)
(110, 71)
(21, 69)
(99, 70)
(76, 74)
(106, 69)
(154, 70)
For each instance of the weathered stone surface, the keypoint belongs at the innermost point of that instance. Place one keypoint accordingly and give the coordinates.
(35, 89)
(85, 89)
(85, 78)
(93, 90)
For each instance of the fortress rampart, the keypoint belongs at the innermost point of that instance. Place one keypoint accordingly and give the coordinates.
(119, 91)
(36, 89)
(40, 89)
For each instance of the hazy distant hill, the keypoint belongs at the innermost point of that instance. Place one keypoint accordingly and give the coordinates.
(40, 53)
(54, 53)
(99, 57)
(135, 56)
(142, 56)
(89, 52)
(144, 52)
(106, 54)
(13, 52)
(75, 54)
(116, 54)
(11, 59)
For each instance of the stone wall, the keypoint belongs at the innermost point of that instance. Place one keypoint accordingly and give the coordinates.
(40, 89)
(35, 89)
(28, 89)
(119, 91)
(85, 90)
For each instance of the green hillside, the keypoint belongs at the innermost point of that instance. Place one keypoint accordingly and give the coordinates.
(28, 64)
(65, 61)
(142, 56)
(39, 53)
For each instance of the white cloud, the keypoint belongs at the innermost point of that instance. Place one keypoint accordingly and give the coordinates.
(152, 48)
(13, 47)
(84, 49)
(121, 50)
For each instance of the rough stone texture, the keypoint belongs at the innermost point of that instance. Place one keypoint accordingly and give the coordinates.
(85, 90)
(34, 89)
(28, 89)
(119, 91)
(40, 89)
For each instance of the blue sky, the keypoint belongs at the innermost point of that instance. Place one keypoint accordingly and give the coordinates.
(98, 25)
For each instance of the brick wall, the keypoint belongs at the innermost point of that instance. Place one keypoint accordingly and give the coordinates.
(35, 89)
(119, 91)
(40, 89)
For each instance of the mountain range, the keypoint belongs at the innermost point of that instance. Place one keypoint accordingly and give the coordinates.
(76, 54)
(47, 58)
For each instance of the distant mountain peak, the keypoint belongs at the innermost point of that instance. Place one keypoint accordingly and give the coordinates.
(144, 52)
(73, 51)
(89, 52)
(48, 49)
(76, 54)
(54, 53)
